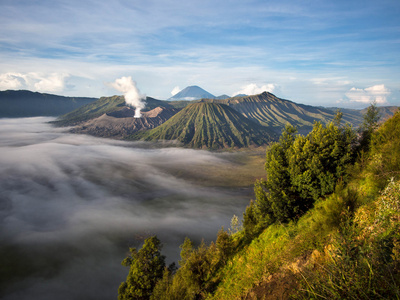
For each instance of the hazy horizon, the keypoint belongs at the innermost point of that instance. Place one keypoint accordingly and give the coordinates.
(316, 53)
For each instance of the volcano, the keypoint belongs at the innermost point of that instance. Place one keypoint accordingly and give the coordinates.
(192, 93)
(122, 123)
(211, 126)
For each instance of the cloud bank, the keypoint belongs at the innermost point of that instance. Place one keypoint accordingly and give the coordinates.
(376, 93)
(39, 82)
(254, 89)
(72, 205)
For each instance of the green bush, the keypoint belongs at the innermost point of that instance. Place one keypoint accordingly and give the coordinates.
(301, 169)
(146, 267)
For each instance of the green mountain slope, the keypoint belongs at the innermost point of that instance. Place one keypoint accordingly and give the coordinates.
(271, 111)
(209, 125)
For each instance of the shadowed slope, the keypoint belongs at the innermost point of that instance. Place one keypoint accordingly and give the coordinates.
(22, 103)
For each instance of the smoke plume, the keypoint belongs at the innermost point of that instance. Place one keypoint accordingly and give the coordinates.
(131, 93)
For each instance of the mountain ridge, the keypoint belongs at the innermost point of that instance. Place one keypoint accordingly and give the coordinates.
(271, 111)
(24, 103)
(265, 109)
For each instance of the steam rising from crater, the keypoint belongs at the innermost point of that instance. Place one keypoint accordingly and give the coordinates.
(131, 93)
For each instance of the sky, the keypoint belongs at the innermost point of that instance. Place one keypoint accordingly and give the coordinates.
(317, 52)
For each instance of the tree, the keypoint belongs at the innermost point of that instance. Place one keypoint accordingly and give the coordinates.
(186, 251)
(371, 118)
(224, 246)
(338, 117)
(274, 195)
(146, 268)
(162, 290)
(300, 169)
(252, 218)
(369, 125)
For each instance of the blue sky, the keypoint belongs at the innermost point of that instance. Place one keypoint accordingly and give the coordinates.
(330, 53)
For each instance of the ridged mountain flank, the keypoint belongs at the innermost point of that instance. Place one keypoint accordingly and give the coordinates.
(211, 126)
(273, 112)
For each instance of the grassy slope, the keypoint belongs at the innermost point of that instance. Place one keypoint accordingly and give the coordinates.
(92, 110)
(209, 125)
(332, 252)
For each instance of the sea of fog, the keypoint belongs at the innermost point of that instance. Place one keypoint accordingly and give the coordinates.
(72, 205)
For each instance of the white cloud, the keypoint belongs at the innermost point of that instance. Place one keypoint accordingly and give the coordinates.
(11, 81)
(175, 91)
(377, 93)
(253, 89)
(54, 82)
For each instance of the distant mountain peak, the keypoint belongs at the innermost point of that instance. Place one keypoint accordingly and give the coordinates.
(192, 92)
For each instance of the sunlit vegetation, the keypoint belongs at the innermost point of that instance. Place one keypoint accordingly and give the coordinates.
(325, 224)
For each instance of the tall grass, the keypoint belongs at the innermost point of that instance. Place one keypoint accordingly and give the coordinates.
(362, 260)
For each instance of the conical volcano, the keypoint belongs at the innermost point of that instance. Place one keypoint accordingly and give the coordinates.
(192, 93)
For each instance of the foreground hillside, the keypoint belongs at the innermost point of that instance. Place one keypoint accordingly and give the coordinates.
(209, 125)
(324, 227)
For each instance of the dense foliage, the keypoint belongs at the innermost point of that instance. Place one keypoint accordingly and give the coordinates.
(300, 169)
(325, 225)
(146, 267)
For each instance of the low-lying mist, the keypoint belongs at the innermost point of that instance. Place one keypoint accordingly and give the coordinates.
(72, 205)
